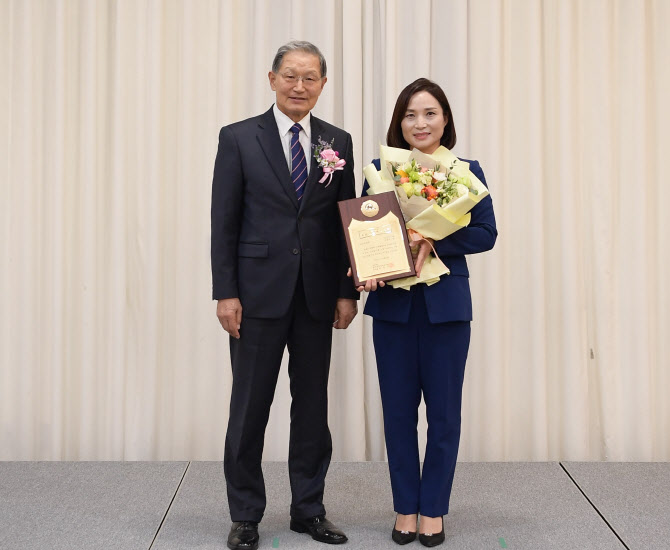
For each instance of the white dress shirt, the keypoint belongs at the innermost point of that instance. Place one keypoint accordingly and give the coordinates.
(284, 124)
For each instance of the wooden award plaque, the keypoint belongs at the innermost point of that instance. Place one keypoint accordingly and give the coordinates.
(374, 229)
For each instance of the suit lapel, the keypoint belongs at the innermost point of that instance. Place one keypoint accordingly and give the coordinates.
(315, 172)
(268, 137)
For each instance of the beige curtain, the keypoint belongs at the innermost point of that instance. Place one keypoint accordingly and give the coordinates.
(109, 115)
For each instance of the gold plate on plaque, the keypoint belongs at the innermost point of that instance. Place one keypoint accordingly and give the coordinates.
(370, 208)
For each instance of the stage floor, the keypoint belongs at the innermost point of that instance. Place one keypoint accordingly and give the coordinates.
(182, 505)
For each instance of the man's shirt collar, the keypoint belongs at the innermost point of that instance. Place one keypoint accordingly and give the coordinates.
(284, 123)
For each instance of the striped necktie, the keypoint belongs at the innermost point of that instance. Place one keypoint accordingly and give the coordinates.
(298, 162)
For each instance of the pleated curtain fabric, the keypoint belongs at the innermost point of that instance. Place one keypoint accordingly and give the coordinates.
(109, 118)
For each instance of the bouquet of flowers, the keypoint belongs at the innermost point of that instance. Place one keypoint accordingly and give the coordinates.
(431, 183)
(436, 193)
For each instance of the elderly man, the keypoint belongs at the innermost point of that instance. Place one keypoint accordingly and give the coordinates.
(279, 273)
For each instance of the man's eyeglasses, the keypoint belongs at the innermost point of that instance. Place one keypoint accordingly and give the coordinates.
(308, 80)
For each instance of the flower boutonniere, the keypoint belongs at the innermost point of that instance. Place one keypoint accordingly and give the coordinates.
(327, 159)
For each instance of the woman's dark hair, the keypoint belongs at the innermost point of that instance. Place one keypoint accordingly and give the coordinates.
(394, 137)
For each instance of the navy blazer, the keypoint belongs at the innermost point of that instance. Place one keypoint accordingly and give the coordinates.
(262, 238)
(449, 299)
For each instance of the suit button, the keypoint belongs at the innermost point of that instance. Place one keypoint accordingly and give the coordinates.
(295, 251)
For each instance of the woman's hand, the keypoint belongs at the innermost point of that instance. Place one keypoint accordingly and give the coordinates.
(420, 251)
(370, 284)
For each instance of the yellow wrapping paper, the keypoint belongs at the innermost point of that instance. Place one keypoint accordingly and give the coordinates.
(424, 216)
(433, 268)
(376, 183)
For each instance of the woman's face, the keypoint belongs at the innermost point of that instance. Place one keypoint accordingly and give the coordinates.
(423, 123)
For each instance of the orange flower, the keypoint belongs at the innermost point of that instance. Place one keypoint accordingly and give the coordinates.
(429, 192)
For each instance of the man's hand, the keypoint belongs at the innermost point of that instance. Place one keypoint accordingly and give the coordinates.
(370, 284)
(420, 252)
(345, 311)
(229, 312)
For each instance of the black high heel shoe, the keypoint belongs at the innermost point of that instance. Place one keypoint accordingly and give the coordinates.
(402, 537)
(430, 539)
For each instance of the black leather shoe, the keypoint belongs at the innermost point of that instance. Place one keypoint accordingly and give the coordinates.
(402, 537)
(320, 529)
(243, 535)
(429, 539)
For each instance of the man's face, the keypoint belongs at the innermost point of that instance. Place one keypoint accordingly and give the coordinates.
(297, 84)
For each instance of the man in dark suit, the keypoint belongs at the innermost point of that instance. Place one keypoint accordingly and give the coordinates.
(279, 274)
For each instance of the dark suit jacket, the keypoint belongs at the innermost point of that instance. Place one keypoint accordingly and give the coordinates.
(449, 299)
(262, 238)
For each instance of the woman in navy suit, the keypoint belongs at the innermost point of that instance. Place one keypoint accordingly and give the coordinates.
(421, 336)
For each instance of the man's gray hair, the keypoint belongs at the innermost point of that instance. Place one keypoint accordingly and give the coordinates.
(302, 46)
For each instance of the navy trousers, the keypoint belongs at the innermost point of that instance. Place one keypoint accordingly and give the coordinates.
(414, 359)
